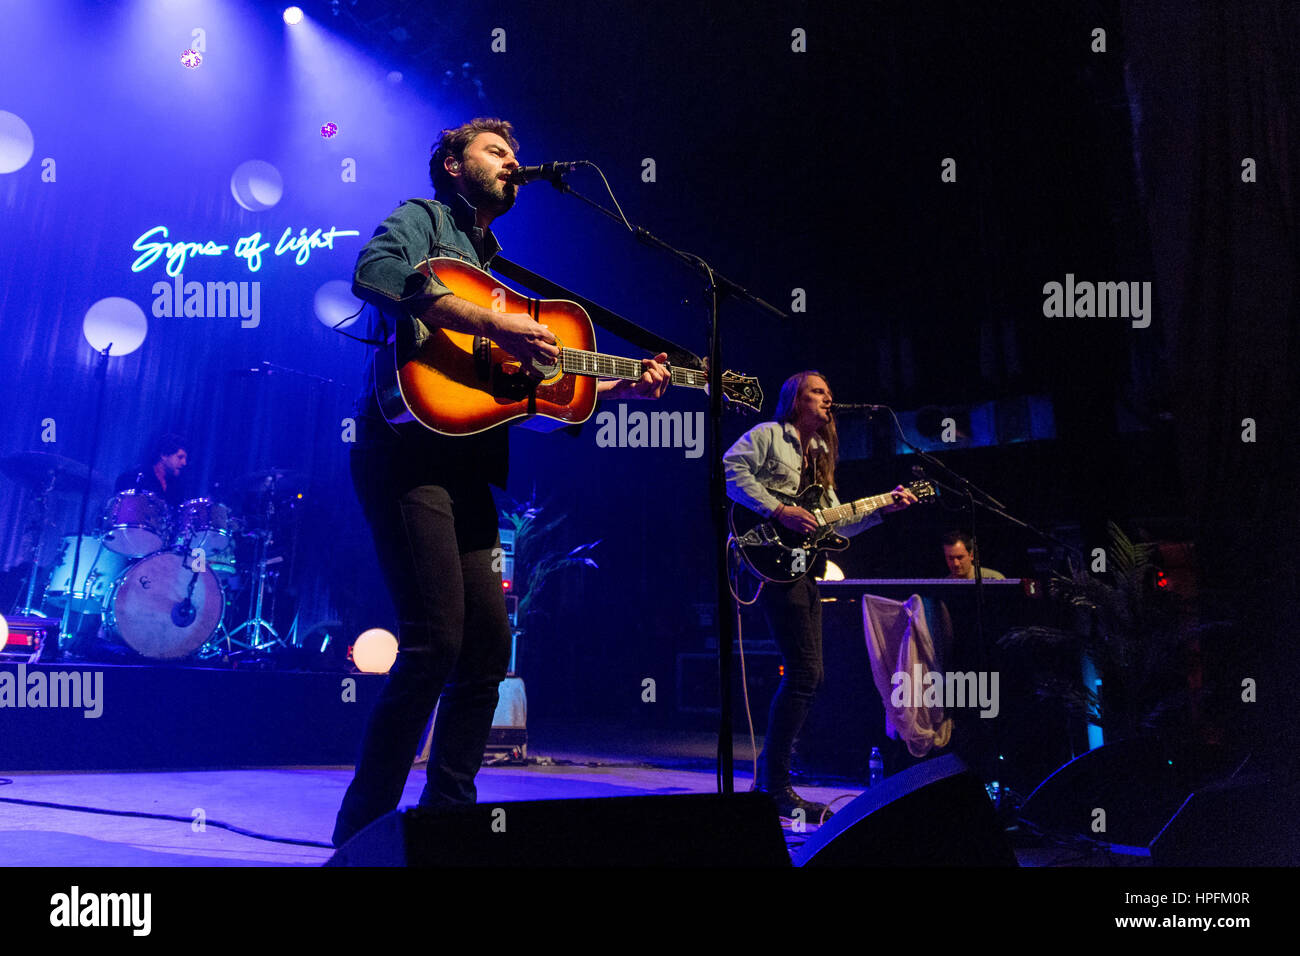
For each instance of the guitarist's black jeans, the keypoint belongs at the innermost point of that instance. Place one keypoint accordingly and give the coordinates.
(794, 613)
(436, 545)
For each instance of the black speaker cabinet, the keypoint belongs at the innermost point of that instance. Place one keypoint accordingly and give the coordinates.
(936, 813)
(695, 830)
(1245, 821)
(1122, 793)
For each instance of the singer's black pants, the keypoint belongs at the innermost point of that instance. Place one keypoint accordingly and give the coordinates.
(437, 545)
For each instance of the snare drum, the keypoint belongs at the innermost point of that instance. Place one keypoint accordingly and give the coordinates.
(135, 523)
(225, 564)
(162, 609)
(97, 568)
(203, 523)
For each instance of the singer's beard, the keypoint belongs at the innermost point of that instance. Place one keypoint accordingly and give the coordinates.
(489, 193)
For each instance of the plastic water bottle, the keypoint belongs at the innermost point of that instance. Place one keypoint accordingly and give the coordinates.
(877, 766)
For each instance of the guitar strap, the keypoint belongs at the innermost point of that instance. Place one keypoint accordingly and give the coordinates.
(625, 329)
(611, 322)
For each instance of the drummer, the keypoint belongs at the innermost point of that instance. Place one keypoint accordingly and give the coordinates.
(162, 475)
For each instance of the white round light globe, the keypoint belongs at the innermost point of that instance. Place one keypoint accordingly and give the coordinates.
(833, 572)
(335, 305)
(117, 321)
(4, 632)
(374, 651)
(16, 142)
(256, 185)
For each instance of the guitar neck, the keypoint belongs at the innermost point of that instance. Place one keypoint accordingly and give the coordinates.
(855, 509)
(579, 362)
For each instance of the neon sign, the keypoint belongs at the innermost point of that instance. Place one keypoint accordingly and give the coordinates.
(248, 248)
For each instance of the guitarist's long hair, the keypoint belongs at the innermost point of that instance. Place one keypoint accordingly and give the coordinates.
(824, 458)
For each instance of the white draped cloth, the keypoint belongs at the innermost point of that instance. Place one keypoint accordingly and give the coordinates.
(899, 642)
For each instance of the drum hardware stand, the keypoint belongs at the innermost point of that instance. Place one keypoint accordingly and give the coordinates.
(42, 506)
(255, 622)
(101, 376)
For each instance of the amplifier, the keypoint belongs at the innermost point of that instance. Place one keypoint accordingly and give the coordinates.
(697, 683)
(509, 734)
(27, 638)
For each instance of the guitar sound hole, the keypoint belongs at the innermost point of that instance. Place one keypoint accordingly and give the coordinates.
(542, 372)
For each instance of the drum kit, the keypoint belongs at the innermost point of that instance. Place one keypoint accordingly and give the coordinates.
(160, 581)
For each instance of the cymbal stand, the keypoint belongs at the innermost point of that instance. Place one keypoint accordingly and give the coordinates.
(256, 624)
(101, 374)
(38, 525)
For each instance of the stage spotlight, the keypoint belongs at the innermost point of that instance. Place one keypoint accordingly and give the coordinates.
(293, 15)
(374, 651)
(4, 632)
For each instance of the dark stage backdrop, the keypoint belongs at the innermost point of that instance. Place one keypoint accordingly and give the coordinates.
(903, 178)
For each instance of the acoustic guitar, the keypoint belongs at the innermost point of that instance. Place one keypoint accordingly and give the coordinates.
(455, 383)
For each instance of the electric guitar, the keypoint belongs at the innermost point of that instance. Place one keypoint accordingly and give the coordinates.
(456, 383)
(775, 553)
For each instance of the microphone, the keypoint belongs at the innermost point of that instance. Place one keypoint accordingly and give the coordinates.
(552, 171)
(856, 406)
(920, 472)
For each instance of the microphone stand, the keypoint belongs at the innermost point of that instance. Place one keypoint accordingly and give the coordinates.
(976, 497)
(716, 288)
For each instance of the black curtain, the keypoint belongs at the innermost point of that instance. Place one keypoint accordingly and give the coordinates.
(1212, 85)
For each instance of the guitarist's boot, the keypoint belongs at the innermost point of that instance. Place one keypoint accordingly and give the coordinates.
(775, 781)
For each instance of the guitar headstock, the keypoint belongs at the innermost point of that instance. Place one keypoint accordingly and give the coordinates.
(924, 491)
(743, 391)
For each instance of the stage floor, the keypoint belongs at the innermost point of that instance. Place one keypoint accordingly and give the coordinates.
(299, 803)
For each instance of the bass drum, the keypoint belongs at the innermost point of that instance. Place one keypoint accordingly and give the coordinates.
(162, 609)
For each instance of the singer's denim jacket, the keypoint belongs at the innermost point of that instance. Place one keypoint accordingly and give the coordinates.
(385, 276)
(769, 457)
(418, 229)
(386, 279)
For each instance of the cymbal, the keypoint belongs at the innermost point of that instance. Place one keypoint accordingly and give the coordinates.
(34, 469)
(284, 481)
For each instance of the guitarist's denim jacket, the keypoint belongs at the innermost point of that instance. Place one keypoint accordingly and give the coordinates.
(769, 457)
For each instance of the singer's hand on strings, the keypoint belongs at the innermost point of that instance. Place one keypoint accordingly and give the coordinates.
(654, 380)
(528, 341)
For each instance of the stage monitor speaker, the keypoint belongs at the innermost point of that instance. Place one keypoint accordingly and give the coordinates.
(1246, 821)
(690, 830)
(936, 813)
(1123, 792)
